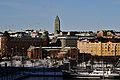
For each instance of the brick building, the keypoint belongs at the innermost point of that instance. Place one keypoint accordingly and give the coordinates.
(34, 52)
(10, 46)
(53, 52)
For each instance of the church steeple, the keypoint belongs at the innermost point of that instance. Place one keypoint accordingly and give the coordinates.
(57, 25)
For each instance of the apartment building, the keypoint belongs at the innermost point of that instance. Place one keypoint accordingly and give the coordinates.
(99, 48)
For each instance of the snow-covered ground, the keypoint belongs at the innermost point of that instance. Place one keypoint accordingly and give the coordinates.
(29, 63)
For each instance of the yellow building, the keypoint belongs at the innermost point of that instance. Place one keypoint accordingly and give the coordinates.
(99, 48)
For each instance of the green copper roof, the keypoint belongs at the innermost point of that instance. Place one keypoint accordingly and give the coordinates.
(57, 18)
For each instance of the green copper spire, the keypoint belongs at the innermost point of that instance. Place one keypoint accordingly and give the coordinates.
(57, 18)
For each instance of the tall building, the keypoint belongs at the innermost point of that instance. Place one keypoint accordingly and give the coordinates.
(57, 25)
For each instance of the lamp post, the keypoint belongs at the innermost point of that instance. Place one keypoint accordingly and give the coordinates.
(115, 54)
(11, 56)
(22, 51)
(41, 52)
(16, 50)
(22, 57)
(6, 52)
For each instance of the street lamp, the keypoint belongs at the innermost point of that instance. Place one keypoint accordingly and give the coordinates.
(22, 51)
(115, 53)
(16, 50)
(11, 56)
(12, 52)
(41, 52)
(6, 52)
(22, 56)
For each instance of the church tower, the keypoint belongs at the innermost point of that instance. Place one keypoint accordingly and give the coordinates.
(57, 25)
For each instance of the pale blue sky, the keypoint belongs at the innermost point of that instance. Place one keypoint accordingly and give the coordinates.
(74, 14)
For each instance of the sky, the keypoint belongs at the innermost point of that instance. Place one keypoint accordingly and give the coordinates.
(75, 15)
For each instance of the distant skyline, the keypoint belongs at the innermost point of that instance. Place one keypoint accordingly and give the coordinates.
(75, 15)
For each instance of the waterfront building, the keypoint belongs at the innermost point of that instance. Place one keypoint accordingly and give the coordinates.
(61, 53)
(99, 47)
(52, 52)
(105, 43)
(19, 42)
